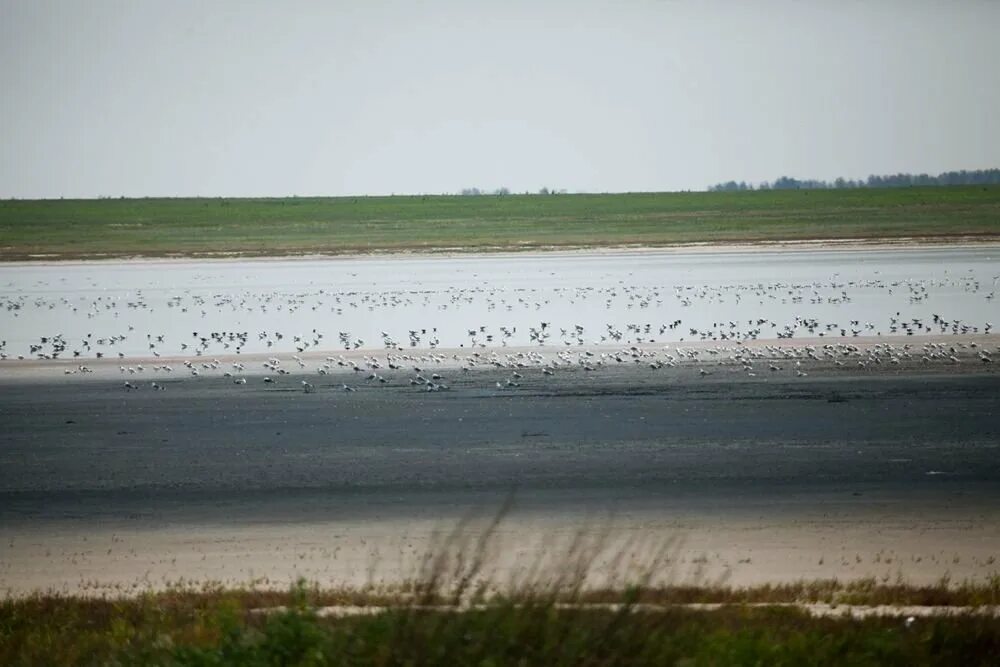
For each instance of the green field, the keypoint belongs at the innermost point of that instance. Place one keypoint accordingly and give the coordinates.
(257, 227)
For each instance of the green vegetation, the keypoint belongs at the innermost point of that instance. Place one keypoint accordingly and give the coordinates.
(221, 628)
(212, 227)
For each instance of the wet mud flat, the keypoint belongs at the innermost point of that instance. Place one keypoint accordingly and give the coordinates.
(774, 475)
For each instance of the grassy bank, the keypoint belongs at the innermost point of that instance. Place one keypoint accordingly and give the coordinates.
(206, 227)
(218, 627)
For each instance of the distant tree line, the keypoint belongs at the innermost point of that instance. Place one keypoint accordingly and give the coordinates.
(500, 192)
(476, 192)
(963, 177)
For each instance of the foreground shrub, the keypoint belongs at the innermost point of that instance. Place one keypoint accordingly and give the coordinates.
(227, 628)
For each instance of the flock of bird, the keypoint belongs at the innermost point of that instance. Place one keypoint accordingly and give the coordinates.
(590, 326)
(429, 371)
(608, 315)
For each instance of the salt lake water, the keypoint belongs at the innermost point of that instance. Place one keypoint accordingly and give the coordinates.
(214, 307)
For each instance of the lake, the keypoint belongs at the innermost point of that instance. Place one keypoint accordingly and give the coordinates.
(178, 308)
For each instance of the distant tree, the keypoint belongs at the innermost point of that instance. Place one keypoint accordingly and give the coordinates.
(729, 186)
(900, 180)
(785, 183)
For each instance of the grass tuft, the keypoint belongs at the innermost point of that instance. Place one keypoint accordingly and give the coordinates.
(223, 627)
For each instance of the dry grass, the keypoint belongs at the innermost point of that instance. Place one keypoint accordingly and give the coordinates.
(217, 627)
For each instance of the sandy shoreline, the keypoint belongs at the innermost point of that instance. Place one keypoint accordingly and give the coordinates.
(810, 245)
(843, 474)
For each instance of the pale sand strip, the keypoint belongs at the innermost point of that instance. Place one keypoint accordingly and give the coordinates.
(910, 612)
(702, 548)
(707, 247)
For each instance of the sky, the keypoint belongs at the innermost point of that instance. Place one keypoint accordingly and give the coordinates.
(246, 98)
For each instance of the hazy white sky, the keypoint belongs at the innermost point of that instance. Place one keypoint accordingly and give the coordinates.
(238, 97)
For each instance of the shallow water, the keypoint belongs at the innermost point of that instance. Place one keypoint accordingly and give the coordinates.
(557, 299)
